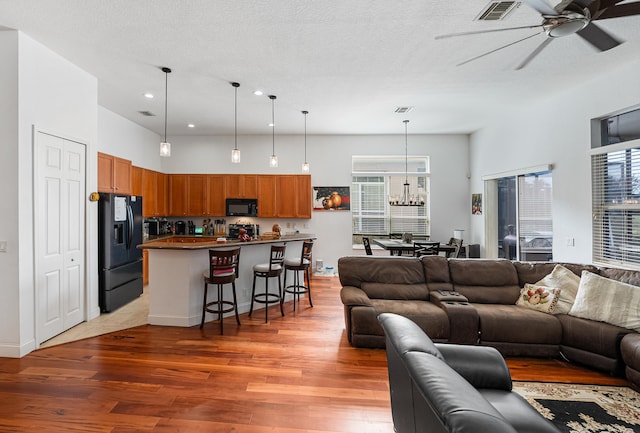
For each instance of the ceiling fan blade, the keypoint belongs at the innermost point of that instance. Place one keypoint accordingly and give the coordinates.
(598, 37)
(623, 10)
(451, 35)
(542, 7)
(534, 53)
(497, 49)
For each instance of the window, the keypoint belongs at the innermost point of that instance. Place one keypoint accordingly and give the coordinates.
(616, 206)
(615, 181)
(374, 181)
(525, 223)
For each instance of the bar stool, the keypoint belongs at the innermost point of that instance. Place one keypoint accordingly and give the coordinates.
(223, 269)
(269, 270)
(299, 264)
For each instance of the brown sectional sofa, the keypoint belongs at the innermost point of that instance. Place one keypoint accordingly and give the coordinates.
(472, 301)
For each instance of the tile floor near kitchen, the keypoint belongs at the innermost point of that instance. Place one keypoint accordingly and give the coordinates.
(133, 314)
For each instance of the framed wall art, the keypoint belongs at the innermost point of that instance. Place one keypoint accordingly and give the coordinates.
(331, 198)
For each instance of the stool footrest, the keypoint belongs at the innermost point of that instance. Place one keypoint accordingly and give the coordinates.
(231, 307)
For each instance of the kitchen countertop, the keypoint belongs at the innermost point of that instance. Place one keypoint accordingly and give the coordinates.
(193, 242)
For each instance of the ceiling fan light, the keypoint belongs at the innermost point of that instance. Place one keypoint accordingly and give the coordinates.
(165, 149)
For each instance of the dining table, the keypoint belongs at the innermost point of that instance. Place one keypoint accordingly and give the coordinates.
(397, 247)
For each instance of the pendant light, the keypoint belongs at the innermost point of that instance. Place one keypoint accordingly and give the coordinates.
(406, 199)
(305, 166)
(165, 146)
(273, 162)
(235, 153)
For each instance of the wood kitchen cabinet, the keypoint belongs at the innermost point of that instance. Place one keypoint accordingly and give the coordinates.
(241, 186)
(136, 180)
(267, 196)
(178, 194)
(154, 193)
(216, 197)
(304, 196)
(293, 193)
(196, 194)
(114, 174)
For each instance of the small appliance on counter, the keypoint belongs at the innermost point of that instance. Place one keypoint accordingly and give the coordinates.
(181, 228)
(191, 227)
(154, 226)
(252, 230)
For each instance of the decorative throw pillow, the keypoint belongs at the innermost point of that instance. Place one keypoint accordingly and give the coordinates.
(539, 298)
(607, 300)
(567, 282)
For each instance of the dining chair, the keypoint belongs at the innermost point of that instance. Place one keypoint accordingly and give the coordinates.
(457, 243)
(223, 269)
(367, 246)
(272, 269)
(425, 248)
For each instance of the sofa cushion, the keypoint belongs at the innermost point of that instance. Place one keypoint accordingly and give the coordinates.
(607, 300)
(436, 271)
(510, 323)
(539, 298)
(418, 291)
(430, 318)
(591, 336)
(354, 270)
(485, 281)
(567, 282)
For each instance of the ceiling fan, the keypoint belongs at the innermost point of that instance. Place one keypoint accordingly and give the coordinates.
(566, 18)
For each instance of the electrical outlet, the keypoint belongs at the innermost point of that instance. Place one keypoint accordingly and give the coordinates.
(3, 246)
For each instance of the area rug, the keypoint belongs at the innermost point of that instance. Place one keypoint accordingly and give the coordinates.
(584, 408)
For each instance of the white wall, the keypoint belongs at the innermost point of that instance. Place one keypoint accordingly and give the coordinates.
(330, 160)
(556, 131)
(9, 226)
(121, 137)
(57, 97)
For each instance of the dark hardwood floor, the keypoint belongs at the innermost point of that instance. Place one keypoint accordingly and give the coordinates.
(294, 374)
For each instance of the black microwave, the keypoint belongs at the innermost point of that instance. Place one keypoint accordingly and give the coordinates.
(242, 207)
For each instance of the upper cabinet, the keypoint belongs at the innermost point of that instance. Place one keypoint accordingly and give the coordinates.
(216, 198)
(136, 180)
(114, 174)
(241, 186)
(293, 196)
(178, 194)
(267, 196)
(154, 194)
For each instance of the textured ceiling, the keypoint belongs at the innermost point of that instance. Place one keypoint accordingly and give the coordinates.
(349, 63)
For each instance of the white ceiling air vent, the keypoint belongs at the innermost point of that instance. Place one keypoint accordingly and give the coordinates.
(497, 10)
(402, 110)
(146, 113)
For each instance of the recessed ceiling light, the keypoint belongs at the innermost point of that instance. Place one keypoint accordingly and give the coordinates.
(191, 125)
(258, 93)
(148, 95)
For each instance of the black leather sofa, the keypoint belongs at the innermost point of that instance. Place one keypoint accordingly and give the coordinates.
(450, 387)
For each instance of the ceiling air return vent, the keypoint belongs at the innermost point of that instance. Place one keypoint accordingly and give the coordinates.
(497, 10)
(146, 113)
(402, 110)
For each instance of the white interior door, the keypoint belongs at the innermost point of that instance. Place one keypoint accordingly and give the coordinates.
(59, 234)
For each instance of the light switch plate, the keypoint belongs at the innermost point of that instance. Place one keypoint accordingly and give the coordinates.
(3, 246)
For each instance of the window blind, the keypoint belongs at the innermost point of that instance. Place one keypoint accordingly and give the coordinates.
(616, 207)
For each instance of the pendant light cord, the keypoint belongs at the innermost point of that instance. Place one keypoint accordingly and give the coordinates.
(235, 114)
(273, 124)
(166, 71)
(406, 158)
(305, 135)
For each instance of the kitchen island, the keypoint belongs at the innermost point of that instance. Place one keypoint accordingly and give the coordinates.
(177, 264)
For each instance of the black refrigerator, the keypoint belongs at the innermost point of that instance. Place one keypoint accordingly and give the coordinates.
(119, 259)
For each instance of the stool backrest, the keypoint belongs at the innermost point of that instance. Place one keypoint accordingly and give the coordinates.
(224, 263)
(307, 246)
(277, 257)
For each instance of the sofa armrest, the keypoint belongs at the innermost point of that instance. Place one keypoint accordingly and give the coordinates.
(354, 296)
(440, 296)
(482, 366)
